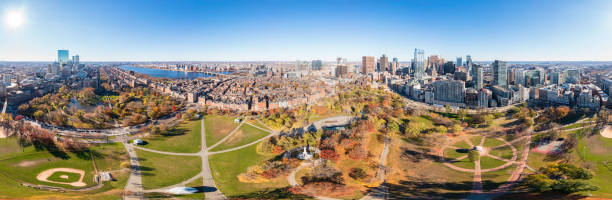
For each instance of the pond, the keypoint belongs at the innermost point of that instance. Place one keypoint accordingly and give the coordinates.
(77, 105)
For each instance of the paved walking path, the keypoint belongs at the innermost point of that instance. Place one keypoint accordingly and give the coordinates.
(133, 188)
(211, 191)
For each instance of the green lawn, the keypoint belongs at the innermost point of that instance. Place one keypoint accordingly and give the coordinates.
(160, 170)
(245, 135)
(536, 160)
(492, 142)
(227, 166)
(492, 180)
(183, 138)
(217, 127)
(475, 140)
(26, 166)
(70, 177)
(576, 125)
(487, 162)
(502, 152)
(462, 144)
(256, 123)
(9, 146)
(450, 153)
(464, 163)
(598, 151)
(106, 156)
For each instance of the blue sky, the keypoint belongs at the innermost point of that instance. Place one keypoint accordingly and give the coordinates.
(238, 30)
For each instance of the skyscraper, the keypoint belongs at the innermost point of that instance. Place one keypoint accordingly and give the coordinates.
(468, 65)
(383, 62)
(62, 56)
(459, 61)
(419, 63)
(367, 64)
(477, 77)
(317, 65)
(500, 73)
(394, 66)
(75, 59)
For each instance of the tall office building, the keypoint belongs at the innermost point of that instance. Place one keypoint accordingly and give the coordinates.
(519, 77)
(449, 67)
(367, 64)
(62, 56)
(459, 61)
(477, 78)
(500, 73)
(317, 65)
(394, 66)
(75, 59)
(339, 60)
(468, 65)
(383, 63)
(419, 63)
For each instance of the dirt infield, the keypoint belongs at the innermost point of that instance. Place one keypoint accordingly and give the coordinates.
(44, 175)
(607, 132)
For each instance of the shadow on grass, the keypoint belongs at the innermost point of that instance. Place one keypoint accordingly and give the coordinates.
(280, 193)
(426, 190)
(418, 156)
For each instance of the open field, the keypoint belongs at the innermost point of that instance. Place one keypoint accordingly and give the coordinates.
(475, 140)
(218, 127)
(596, 153)
(492, 142)
(227, 166)
(245, 135)
(502, 152)
(182, 138)
(159, 170)
(487, 162)
(492, 180)
(31, 162)
(418, 181)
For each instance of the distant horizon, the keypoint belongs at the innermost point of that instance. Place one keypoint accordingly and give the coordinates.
(289, 61)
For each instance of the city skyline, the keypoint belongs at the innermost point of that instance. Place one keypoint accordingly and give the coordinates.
(296, 30)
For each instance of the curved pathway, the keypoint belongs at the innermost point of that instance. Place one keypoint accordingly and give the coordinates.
(477, 190)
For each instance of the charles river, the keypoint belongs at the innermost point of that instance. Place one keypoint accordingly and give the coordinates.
(160, 73)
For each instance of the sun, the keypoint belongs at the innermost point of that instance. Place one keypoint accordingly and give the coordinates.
(14, 18)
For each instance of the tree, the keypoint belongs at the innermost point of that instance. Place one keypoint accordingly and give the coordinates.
(357, 173)
(473, 155)
(329, 154)
(561, 112)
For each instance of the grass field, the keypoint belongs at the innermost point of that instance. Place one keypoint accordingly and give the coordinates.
(218, 127)
(27, 165)
(227, 166)
(597, 151)
(450, 153)
(464, 163)
(159, 170)
(245, 135)
(462, 144)
(106, 157)
(183, 138)
(487, 162)
(502, 152)
(492, 142)
(492, 180)
(475, 140)
(256, 123)
(426, 178)
(70, 177)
